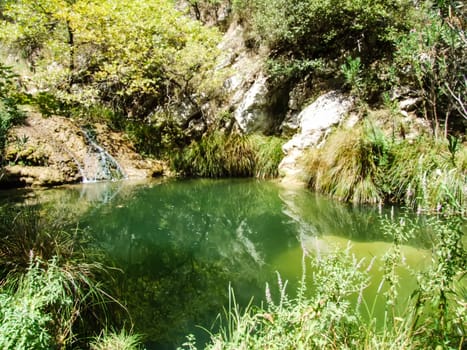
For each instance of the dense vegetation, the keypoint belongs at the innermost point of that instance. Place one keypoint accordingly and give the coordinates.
(53, 291)
(376, 46)
(9, 112)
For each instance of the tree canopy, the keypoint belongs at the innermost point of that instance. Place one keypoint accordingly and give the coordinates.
(131, 54)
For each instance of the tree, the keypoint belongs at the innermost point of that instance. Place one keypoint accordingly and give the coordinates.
(134, 55)
(432, 61)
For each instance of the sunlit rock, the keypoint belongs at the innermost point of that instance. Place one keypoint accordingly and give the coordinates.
(252, 114)
(315, 123)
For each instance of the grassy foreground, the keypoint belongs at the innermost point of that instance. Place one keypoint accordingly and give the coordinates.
(323, 318)
(51, 297)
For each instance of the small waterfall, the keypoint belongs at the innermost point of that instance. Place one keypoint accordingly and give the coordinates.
(98, 164)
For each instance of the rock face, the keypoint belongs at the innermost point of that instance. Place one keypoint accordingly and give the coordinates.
(255, 106)
(252, 113)
(315, 122)
(54, 150)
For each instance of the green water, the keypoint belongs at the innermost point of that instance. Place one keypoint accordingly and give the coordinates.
(179, 245)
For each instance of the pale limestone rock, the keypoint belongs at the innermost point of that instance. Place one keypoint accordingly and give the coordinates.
(315, 122)
(251, 115)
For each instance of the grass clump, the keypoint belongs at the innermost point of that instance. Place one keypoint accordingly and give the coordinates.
(219, 155)
(116, 341)
(363, 165)
(348, 167)
(269, 154)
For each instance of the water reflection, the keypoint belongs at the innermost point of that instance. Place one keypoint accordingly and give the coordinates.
(180, 244)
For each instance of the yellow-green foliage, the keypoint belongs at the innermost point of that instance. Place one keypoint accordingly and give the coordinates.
(130, 54)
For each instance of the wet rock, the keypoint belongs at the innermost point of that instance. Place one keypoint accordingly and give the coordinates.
(54, 150)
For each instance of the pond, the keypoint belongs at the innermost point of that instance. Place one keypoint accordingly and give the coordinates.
(180, 244)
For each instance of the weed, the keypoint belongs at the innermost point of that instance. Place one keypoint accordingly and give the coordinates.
(116, 341)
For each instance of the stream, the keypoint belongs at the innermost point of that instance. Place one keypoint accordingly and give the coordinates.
(180, 244)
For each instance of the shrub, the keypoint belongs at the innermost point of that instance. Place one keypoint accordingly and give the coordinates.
(331, 29)
(431, 60)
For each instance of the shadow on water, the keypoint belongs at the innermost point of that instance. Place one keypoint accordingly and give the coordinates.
(180, 244)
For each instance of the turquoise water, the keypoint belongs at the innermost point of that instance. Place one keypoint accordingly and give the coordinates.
(179, 245)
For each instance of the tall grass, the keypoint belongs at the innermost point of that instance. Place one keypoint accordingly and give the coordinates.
(26, 231)
(347, 168)
(268, 155)
(425, 175)
(219, 155)
(322, 316)
(50, 294)
(362, 165)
